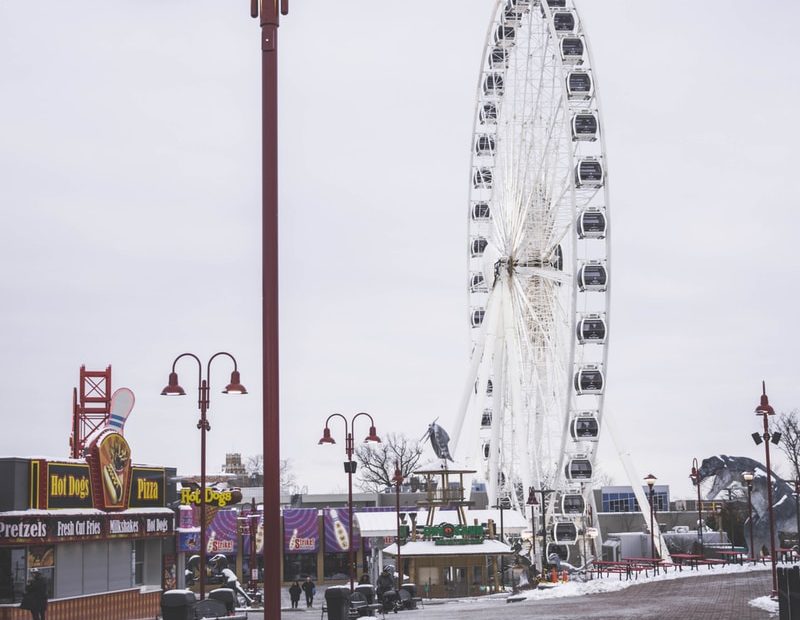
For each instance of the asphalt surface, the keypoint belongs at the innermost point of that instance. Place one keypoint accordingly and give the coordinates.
(699, 596)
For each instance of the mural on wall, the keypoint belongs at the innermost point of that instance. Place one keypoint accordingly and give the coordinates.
(337, 537)
(300, 530)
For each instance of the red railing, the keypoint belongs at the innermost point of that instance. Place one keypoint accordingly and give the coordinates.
(121, 605)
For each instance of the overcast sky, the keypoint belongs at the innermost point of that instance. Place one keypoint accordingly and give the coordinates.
(130, 199)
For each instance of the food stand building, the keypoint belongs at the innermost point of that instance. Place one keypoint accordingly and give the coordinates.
(97, 526)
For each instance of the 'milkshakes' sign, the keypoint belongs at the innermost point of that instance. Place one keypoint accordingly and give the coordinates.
(51, 529)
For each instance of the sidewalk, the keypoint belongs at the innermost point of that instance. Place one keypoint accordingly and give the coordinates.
(702, 596)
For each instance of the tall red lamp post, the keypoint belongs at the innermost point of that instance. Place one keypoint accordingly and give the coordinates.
(269, 12)
(398, 481)
(651, 481)
(748, 480)
(350, 469)
(765, 410)
(695, 476)
(533, 502)
(204, 404)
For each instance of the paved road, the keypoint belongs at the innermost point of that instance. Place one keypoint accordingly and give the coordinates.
(703, 597)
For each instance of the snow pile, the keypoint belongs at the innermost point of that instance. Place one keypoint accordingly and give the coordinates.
(766, 603)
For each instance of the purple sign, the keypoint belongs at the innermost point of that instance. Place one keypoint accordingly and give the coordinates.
(337, 537)
(220, 533)
(300, 530)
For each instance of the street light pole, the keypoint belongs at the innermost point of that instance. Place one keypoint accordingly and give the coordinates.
(203, 403)
(270, 20)
(544, 493)
(350, 469)
(651, 481)
(797, 509)
(503, 503)
(764, 409)
(695, 476)
(532, 502)
(748, 478)
(398, 480)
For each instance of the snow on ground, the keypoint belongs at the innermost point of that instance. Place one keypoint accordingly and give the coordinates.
(613, 584)
(766, 603)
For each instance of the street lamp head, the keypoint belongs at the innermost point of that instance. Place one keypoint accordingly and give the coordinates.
(173, 389)
(532, 501)
(650, 479)
(695, 476)
(748, 476)
(235, 386)
(326, 437)
(373, 435)
(764, 408)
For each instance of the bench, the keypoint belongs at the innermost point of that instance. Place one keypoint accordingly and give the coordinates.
(711, 562)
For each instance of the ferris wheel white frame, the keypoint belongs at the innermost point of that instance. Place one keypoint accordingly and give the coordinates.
(537, 259)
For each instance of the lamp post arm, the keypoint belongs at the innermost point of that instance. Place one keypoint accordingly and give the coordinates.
(208, 373)
(201, 401)
(353, 422)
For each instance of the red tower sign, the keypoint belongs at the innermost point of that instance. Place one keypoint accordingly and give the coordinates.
(90, 409)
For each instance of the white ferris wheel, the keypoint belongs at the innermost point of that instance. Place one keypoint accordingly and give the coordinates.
(538, 261)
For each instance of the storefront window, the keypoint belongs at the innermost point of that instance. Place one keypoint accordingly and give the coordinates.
(12, 574)
(138, 562)
(43, 557)
(336, 566)
(298, 566)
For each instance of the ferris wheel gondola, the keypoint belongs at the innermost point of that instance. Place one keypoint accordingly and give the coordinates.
(538, 261)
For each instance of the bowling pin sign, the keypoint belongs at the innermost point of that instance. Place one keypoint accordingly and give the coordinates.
(122, 402)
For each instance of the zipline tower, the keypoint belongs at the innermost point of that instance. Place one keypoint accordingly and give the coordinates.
(90, 409)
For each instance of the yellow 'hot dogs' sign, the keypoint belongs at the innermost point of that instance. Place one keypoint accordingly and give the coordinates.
(213, 497)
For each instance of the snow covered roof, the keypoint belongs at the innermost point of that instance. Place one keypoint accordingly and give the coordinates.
(428, 548)
(377, 524)
(83, 512)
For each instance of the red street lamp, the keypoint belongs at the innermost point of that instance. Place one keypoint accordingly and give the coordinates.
(748, 478)
(651, 481)
(204, 404)
(695, 476)
(533, 502)
(764, 409)
(350, 469)
(797, 506)
(398, 480)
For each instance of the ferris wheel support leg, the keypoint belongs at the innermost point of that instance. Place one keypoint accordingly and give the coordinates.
(636, 484)
(477, 363)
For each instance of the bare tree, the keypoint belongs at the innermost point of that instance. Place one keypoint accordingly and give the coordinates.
(788, 425)
(254, 465)
(378, 461)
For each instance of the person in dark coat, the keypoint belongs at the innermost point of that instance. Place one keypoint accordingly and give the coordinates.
(385, 582)
(310, 589)
(36, 595)
(294, 593)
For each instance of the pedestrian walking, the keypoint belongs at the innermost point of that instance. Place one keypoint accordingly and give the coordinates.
(35, 597)
(310, 589)
(294, 593)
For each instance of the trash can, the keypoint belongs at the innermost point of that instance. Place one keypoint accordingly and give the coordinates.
(368, 590)
(226, 596)
(411, 588)
(337, 600)
(789, 593)
(178, 605)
